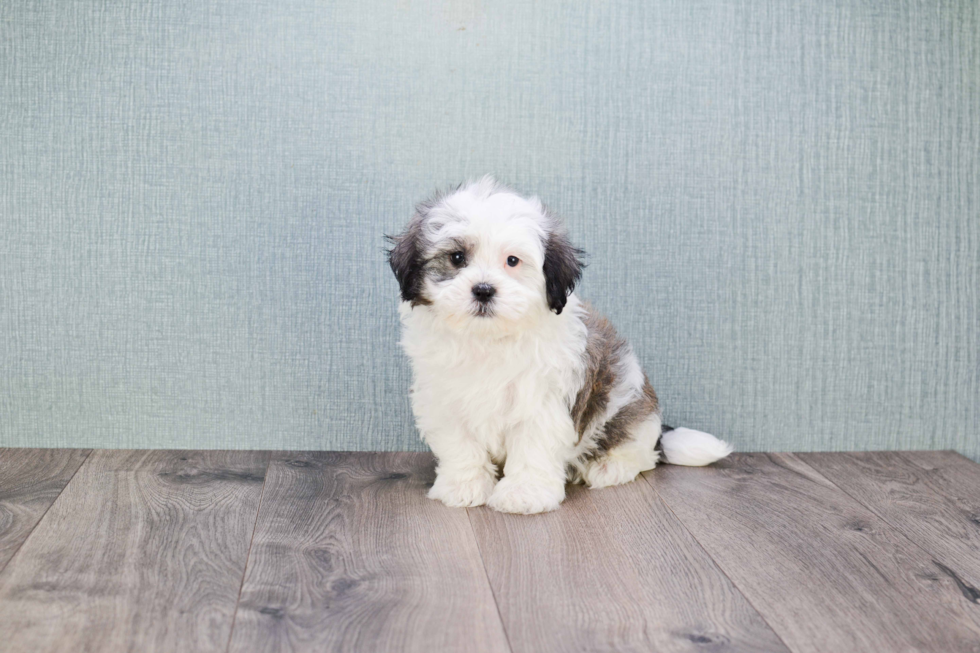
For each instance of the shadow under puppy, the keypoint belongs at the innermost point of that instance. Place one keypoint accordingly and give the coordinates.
(511, 368)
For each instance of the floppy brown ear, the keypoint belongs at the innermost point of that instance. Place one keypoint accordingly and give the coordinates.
(562, 269)
(407, 262)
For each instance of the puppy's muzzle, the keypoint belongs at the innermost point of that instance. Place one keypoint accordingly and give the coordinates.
(484, 292)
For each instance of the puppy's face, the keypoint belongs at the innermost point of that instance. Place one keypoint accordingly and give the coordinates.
(485, 259)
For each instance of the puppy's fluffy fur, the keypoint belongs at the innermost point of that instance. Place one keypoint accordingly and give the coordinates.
(511, 369)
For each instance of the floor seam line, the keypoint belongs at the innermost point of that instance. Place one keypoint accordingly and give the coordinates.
(898, 529)
(46, 511)
(486, 574)
(248, 555)
(718, 565)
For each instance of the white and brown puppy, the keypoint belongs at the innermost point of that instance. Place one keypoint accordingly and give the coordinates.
(511, 368)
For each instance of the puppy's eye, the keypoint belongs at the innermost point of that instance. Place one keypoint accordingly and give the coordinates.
(457, 258)
(512, 261)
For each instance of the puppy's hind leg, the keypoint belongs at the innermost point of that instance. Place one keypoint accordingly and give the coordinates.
(625, 461)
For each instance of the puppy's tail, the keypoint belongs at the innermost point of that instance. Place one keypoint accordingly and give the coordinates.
(692, 448)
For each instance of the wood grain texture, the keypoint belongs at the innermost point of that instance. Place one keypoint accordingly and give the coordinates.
(825, 572)
(612, 570)
(932, 497)
(30, 481)
(143, 551)
(349, 555)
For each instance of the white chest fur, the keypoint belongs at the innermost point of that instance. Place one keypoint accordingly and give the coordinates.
(487, 385)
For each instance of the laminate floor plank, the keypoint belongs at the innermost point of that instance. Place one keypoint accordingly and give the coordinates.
(824, 571)
(349, 555)
(612, 570)
(932, 497)
(142, 551)
(30, 481)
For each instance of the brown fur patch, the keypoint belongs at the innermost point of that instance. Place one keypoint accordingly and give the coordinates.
(602, 352)
(617, 429)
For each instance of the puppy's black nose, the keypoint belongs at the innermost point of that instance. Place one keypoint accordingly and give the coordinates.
(483, 292)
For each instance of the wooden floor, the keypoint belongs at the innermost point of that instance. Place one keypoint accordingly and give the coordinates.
(185, 551)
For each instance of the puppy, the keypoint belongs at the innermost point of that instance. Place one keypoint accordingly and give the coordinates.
(511, 369)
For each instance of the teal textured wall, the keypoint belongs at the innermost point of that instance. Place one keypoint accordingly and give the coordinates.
(781, 201)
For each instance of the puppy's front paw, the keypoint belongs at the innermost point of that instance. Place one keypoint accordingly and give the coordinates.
(458, 491)
(526, 496)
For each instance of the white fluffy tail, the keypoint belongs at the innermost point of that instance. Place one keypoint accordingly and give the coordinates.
(692, 448)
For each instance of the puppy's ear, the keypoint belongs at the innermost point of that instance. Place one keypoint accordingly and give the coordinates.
(562, 269)
(407, 262)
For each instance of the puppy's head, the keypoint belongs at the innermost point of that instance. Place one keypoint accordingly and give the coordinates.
(484, 258)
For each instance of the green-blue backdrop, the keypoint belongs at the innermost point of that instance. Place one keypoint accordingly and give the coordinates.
(781, 200)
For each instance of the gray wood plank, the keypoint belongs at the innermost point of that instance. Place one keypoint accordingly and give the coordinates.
(932, 497)
(612, 570)
(825, 572)
(143, 551)
(30, 481)
(349, 555)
